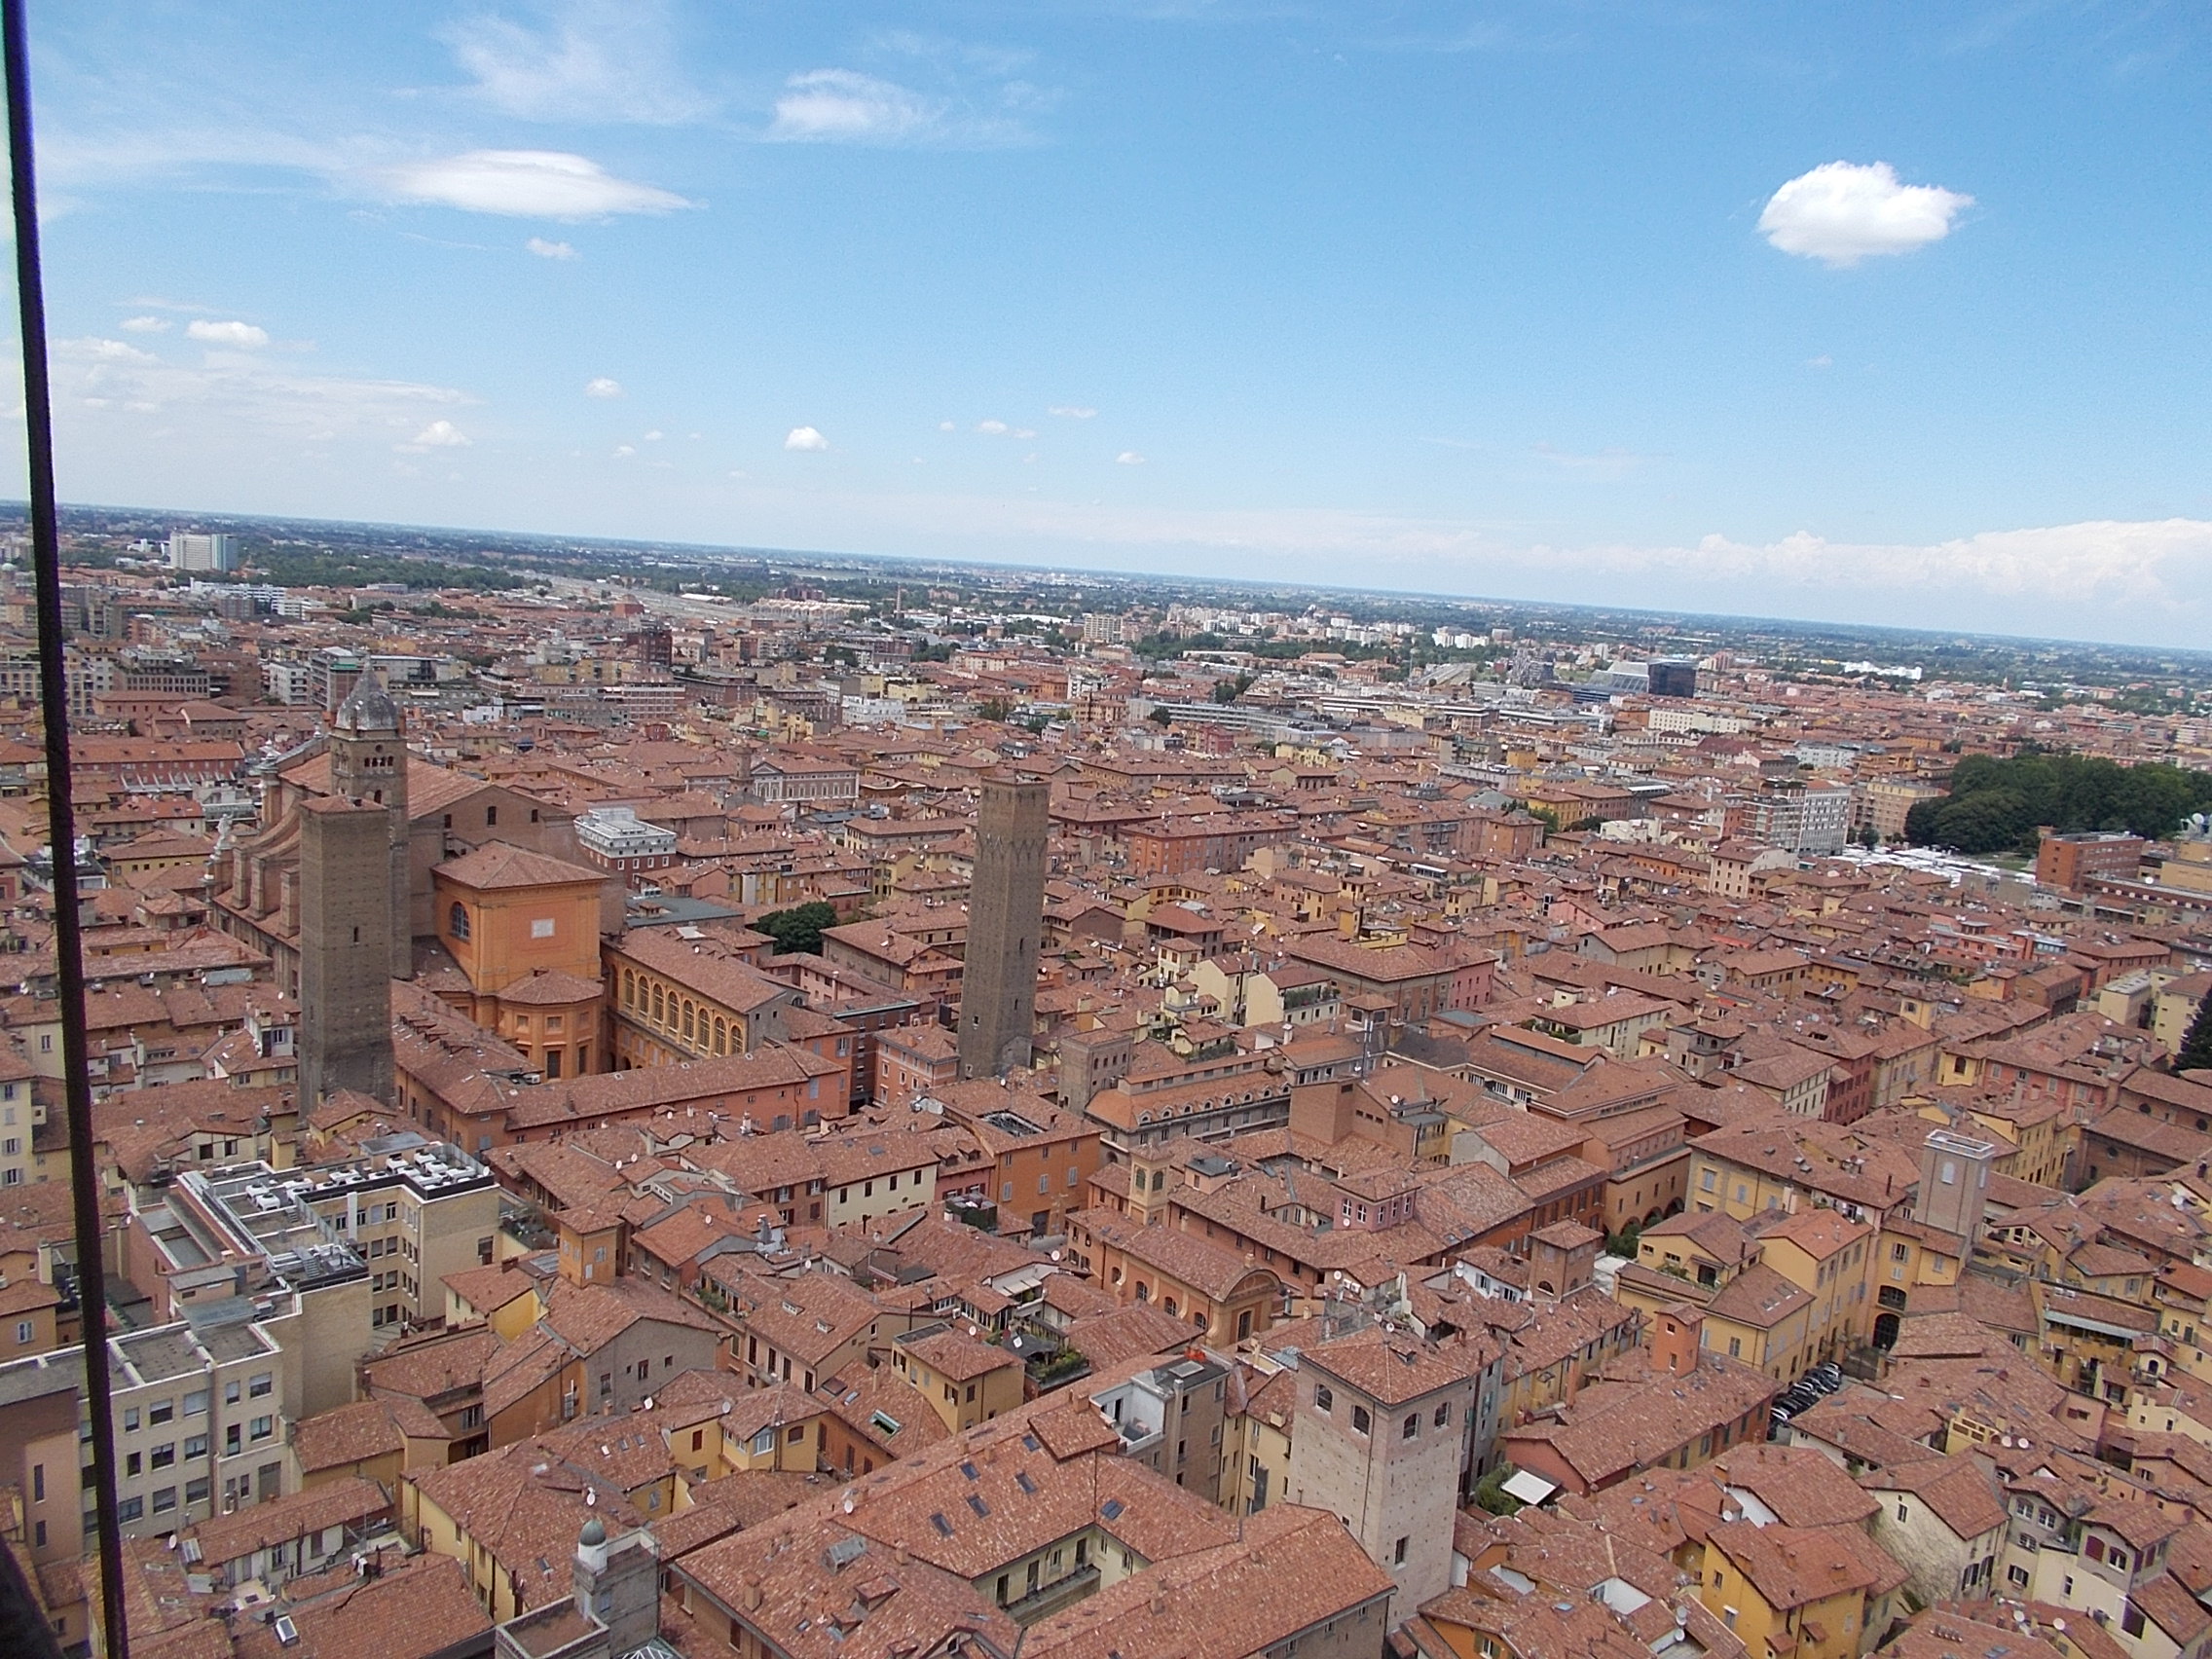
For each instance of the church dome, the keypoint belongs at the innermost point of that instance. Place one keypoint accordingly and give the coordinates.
(370, 708)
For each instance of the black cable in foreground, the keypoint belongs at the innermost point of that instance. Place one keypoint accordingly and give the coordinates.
(61, 817)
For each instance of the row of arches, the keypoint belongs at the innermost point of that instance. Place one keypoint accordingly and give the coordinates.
(654, 1003)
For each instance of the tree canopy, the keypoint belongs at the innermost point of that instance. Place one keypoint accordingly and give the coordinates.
(1997, 805)
(798, 930)
(2197, 1048)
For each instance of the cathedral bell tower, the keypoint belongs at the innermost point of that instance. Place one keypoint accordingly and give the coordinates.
(353, 879)
(368, 766)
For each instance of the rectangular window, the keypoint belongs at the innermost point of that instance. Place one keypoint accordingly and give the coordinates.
(262, 1384)
(159, 1412)
(164, 1501)
(264, 1427)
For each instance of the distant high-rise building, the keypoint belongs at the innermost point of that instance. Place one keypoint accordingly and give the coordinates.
(1006, 918)
(191, 552)
(655, 646)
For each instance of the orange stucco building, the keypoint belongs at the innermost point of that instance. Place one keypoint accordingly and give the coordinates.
(520, 932)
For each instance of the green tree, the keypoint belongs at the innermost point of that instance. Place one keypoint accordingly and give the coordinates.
(1998, 804)
(997, 710)
(1161, 716)
(1491, 1493)
(798, 930)
(2197, 1048)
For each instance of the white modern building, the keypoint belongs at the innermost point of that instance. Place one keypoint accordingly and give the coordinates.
(192, 552)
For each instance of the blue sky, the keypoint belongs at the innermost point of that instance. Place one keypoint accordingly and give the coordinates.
(1872, 311)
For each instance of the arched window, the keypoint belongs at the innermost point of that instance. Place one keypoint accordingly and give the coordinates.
(721, 1036)
(657, 1013)
(629, 988)
(457, 922)
(689, 1009)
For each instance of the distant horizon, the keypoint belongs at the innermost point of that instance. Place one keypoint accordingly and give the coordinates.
(185, 519)
(1855, 316)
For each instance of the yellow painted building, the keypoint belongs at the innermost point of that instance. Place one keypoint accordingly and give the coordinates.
(1808, 1592)
(2032, 1135)
(965, 1381)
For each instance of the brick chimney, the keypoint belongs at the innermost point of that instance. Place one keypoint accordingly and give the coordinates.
(1673, 1338)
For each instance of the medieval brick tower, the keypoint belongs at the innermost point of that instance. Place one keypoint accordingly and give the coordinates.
(354, 902)
(1006, 916)
(368, 764)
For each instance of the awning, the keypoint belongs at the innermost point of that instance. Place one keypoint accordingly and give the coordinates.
(1527, 1488)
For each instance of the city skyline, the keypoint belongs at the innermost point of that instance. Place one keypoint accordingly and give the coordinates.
(1875, 321)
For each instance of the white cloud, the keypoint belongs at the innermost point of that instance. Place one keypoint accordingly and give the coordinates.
(601, 386)
(438, 434)
(1841, 213)
(550, 249)
(527, 184)
(944, 425)
(1823, 361)
(805, 438)
(158, 408)
(653, 437)
(602, 60)
(845, 106)
(2147, 582)
(108, 350)
(243, 334)
(991, 428)
(1129, 457)
(148, 325)
(1071, 412)
(621, 449)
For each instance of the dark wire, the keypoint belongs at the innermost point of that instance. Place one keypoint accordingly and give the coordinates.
(61, 818)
